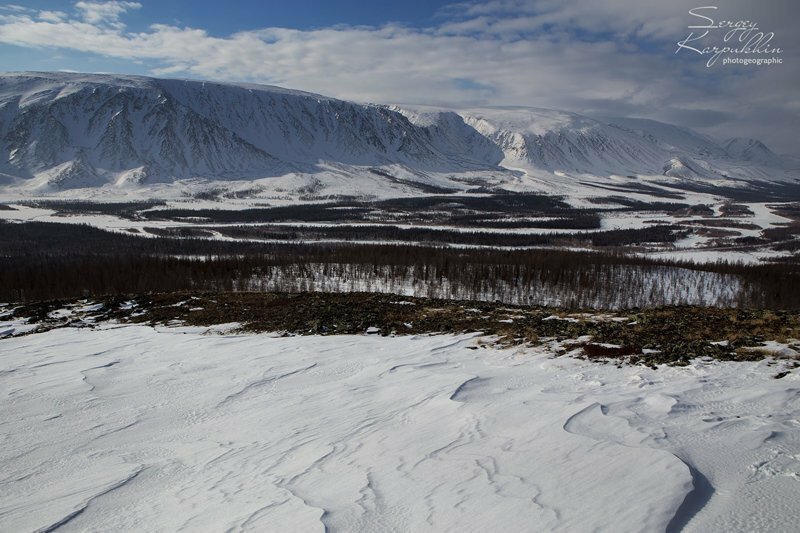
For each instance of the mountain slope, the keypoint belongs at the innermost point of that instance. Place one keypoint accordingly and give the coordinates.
(62, 131)
(752, 150)
(66, 130)
(559, 141)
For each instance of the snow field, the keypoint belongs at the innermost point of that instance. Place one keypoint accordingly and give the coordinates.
(140, 428)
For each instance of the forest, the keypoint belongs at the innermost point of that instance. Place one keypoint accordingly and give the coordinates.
(44, 261)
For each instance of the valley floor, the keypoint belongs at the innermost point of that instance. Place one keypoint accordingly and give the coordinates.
(136, 427)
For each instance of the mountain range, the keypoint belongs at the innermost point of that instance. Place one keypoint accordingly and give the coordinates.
(72, 132)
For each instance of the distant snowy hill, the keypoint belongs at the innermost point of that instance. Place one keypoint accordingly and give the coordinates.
(62, 132)
(752, 150)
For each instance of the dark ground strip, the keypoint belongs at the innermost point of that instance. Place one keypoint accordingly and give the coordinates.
(672, 335)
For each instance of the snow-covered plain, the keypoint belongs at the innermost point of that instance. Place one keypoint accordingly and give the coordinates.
(693, 248)
(166, 429)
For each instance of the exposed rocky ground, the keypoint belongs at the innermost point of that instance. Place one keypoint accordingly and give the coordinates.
(672, 335)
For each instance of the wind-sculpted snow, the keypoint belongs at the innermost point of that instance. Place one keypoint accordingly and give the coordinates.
(141, 429)
(63, 132)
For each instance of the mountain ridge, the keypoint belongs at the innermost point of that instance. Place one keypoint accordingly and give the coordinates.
(64, 131)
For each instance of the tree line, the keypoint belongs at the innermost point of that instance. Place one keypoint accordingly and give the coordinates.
(43, 261)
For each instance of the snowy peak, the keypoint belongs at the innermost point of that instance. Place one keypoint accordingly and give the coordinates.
(745, 149)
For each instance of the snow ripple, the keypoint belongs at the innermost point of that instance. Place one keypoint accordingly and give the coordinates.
(136, 428)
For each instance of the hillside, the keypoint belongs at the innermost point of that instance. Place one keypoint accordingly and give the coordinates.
(63, 131)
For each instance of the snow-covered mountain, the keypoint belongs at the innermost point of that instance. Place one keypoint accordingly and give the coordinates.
(63, 131)
(542, 139)
(67, 131)
(559, 141)
(753, 150)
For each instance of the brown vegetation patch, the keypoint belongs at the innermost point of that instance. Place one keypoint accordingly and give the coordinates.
(595, 351)
(671, 335)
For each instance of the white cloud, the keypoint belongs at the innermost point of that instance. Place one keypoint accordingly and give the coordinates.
(611, 57)
(104, 12)
(16, 8)
(51, 16)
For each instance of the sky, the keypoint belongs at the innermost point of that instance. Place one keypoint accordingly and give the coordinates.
(601, 58)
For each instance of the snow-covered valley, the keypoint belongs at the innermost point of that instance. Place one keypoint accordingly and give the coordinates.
(170, 206)
(187, 148)
(130, 427)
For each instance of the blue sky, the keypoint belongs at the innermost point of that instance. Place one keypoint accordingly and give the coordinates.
(598, 57)
(224, 18)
